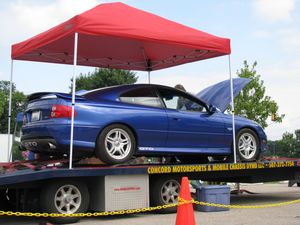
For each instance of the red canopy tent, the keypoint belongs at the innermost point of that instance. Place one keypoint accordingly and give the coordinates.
(115, 35)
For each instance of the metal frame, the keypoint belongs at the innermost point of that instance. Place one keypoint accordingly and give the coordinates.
(73, 105)
(232, 108)
(9, 149)
(73, 98)
(75, 58)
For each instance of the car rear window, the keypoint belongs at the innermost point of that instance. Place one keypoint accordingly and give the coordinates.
(142, 96)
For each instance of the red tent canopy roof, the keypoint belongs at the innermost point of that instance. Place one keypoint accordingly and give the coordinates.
(115, 35)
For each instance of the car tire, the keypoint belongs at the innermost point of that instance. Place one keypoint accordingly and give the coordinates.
(64, 197)
(247, 145)
(116, 144)
(164, 191)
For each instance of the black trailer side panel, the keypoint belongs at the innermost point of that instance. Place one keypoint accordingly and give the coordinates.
(226, 172)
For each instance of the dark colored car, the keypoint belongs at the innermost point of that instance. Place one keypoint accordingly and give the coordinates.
(117, 123)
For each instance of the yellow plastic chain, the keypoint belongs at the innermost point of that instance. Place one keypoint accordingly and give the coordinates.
(181, 201)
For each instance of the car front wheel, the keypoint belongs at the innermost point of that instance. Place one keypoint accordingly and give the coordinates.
(247, 145)
(116, 144)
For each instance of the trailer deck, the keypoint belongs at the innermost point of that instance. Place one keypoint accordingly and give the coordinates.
(50, 186)
(14, 174)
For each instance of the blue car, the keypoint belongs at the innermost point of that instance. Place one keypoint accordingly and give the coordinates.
(118, 123)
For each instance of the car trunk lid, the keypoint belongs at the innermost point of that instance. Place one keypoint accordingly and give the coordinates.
(44, 106)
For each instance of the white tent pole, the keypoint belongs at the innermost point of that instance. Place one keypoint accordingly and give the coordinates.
(149, 77)
(9, 155)
(73, 98)
(232, 107)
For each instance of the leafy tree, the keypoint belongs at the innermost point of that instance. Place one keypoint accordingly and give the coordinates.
(2, 102)
(252, 102)
(297, 133)
(287, 146)
(18, 104)
(103, 78)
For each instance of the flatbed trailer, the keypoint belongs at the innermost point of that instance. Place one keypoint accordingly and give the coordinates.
(27, 185)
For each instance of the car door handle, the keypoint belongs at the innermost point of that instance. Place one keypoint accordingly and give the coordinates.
(176, 119)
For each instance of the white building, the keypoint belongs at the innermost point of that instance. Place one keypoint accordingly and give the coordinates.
(3, 147)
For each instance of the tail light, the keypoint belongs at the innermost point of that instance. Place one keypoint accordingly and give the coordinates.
(61, 111)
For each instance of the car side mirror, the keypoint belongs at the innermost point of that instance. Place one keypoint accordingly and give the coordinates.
(212, 109)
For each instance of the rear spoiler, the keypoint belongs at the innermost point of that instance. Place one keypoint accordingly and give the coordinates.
(39, 95)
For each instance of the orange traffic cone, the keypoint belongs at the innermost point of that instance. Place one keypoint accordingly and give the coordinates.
(185, 212)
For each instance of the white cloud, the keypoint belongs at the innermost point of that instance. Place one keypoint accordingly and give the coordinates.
(274, 10)
(24, 19)
(282, 84)
(289, 39)
(262, 34)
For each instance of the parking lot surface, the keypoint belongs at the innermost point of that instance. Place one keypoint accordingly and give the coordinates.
(264, 194)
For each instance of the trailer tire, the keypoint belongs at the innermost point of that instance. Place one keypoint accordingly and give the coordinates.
(115, 144)
(164, 191)
(64, 196)
(4, 200)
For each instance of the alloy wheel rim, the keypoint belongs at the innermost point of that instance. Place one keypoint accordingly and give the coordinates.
(67, 199)
(170, 192)
(247, 146)
(118, 144)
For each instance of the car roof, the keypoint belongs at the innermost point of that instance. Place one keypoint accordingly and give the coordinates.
(113, 92)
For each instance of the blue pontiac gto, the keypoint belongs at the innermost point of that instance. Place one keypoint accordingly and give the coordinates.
(119, 122)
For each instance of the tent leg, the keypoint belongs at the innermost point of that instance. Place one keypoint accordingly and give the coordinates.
(73, 98)
(9, 149)
(232, 107)
(149, 77)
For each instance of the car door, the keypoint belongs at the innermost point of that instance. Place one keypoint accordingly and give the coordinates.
(148, 118)
(192, 128)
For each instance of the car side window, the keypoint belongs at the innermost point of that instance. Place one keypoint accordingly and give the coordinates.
(179, 101)
(142, 96)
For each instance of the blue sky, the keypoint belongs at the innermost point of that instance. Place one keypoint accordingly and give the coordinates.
(264, 30)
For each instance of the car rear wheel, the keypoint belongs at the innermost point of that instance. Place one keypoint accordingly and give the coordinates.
(247, 145)
(116, 144)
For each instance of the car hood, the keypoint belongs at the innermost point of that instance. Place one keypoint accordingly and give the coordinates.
(219, 94)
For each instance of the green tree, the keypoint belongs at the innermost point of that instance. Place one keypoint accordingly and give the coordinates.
(104, 78)
(297, 133)
(18, 105)
(287, 146)
(252, 102)
(2, 102)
